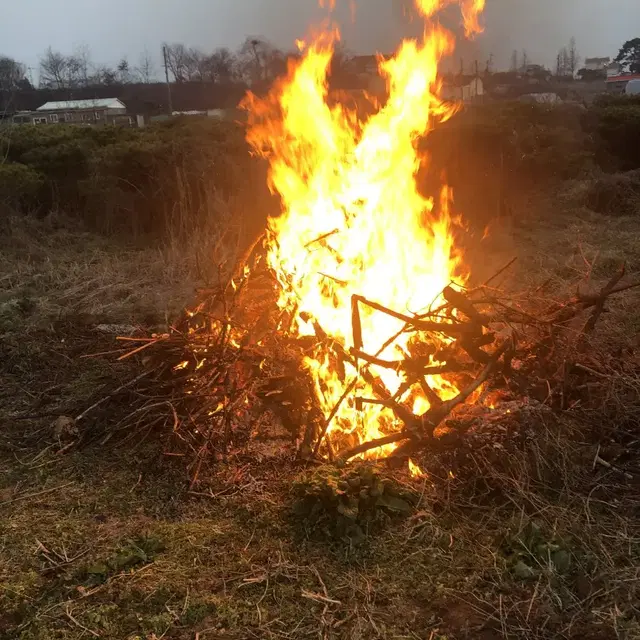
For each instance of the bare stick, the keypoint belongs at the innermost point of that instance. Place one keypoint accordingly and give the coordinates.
(374, 444)
(324, 236)
(498, 273)
(356, 324)
(599, 306)
(449, 329)
(113, 393)
(332, 415)
(460, 301)
(434, 399)
(430, 420)
(435, 416)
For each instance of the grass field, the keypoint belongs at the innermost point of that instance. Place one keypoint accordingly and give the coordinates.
(535, 539)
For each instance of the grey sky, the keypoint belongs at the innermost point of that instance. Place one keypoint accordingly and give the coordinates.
(126, 27)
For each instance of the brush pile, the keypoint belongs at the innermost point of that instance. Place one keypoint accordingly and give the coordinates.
(227, 379)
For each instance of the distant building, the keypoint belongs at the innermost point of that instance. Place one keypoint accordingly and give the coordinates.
(618, 84)
(597, 64)
(88, 112)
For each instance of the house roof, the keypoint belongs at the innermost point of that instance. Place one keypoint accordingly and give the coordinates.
(624, 78)
(98, 103)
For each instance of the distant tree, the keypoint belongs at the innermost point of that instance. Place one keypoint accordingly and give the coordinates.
(124, 72)
(80, 66)
(195, 65)
(13, 75)
(259, 61)
(514, 61)
(525, 60)
(629, 56)
(145, 71)
(563, 63)
(573, 58)
(104, 76)
(54, 70)
(58, 71)
(177, 61)
(219, 67)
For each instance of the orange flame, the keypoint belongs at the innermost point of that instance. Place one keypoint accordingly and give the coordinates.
(471, 10)
(354, 220)
(415, 470)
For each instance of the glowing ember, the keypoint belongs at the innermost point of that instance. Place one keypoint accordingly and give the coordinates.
(354, 221)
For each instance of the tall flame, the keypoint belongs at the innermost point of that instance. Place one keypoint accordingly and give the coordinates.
(353, 219)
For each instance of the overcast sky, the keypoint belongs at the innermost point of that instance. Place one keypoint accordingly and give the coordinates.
(115, 28)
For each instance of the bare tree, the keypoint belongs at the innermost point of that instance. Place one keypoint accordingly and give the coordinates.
(80, 65)
(514, 60)
(178, 61)
(63, 72)
(195, 65)
(146, 69)
(259, 61)
(573, 58)
(525, 61)
(218, 67)
(53, 69)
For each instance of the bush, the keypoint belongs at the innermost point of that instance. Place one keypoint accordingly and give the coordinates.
(617, 126)
(165, 179)
(19, 185)
(616, 194)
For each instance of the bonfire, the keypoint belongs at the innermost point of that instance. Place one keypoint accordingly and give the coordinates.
(351, 322)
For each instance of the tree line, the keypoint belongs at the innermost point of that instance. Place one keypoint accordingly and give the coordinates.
(255, 62)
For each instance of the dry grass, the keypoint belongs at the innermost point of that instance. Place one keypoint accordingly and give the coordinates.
(534, 534)
(52, 270)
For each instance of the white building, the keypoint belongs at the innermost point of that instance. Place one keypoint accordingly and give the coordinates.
(597, 64)
(87, 112)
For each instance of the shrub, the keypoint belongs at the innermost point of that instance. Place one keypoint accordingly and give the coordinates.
(19, 185)
(166, 179)
(617, 127)
(616, 194)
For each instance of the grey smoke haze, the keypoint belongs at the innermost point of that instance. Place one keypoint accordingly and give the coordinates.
(126, 27)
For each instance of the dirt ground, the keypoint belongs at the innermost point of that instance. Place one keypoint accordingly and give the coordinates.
(539, 540)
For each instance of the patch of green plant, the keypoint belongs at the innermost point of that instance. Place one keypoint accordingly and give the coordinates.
(135, 553)
(196, 612)
(533, 550)
(349, 503)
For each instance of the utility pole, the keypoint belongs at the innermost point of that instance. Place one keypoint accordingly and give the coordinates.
(489, 67)
(166, 75)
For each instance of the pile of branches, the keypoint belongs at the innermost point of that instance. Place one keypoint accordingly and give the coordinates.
(227, 370)
(493, 343)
